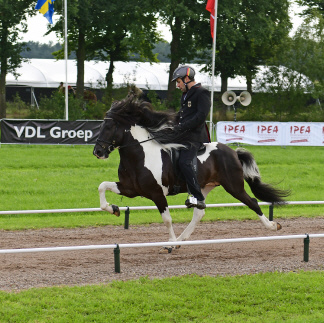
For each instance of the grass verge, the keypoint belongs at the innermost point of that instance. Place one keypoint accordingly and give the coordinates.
(278, 297)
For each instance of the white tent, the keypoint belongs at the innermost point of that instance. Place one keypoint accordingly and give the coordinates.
(49, 73)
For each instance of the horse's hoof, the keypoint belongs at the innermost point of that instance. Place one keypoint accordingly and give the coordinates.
(165, 250)
(115, 210)
(279, 227)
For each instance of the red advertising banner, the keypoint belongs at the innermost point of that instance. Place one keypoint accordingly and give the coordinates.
(271, 133)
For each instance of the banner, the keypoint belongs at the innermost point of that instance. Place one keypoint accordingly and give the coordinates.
(49, 132)
(271, 133)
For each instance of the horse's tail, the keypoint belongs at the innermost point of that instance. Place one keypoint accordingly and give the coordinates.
(262, 191)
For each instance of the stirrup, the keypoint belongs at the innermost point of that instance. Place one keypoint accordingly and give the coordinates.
(193, 202)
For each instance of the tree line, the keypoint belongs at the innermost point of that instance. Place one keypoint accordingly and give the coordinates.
(249, 34)
(33, 49)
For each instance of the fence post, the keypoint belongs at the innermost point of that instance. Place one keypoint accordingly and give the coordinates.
(271, 212)
(306, 248)
(126, 224)
(117, 259)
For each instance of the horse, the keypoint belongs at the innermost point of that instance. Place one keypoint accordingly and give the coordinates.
(146, 141)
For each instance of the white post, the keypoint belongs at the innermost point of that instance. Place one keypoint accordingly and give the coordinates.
(213, 70)
(66, 65)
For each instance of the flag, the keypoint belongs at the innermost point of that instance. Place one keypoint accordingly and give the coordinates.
(46, 7)
(211, 8)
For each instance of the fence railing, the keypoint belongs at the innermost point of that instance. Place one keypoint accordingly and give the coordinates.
(127, 209)
(117, 247)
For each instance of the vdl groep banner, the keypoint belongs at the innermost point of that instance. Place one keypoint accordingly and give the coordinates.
(271, 133)
(49, 132)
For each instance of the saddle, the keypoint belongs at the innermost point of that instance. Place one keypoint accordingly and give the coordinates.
(176, 169)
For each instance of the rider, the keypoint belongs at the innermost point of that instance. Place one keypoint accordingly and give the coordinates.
(195, 105)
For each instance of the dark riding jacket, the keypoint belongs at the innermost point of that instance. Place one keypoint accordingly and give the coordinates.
(195, 106)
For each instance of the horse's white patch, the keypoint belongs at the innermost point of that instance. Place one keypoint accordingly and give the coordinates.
(209, 148)
(251, 171)
(152, 153)
(268, 224)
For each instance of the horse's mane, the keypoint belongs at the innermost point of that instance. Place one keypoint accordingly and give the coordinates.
(135, 110)
(132, 110)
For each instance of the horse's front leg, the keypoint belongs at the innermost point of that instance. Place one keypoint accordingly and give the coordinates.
(104, 205)
(196, 218)
(167, 220)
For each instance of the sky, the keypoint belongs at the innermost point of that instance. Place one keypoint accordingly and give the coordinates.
(37, 27)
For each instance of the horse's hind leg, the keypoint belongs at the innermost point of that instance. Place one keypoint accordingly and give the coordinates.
(237, 190)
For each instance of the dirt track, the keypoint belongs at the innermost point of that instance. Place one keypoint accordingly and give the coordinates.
(22, 271)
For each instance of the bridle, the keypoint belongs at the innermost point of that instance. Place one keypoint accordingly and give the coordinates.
(108, 146)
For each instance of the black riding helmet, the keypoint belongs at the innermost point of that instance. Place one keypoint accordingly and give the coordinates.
(182, 72)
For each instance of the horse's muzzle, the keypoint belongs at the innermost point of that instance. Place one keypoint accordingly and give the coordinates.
(100, 153)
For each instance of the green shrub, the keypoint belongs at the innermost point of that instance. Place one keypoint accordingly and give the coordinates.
(53, 107)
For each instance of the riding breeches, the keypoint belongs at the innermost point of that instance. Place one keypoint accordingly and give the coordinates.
(187, 168)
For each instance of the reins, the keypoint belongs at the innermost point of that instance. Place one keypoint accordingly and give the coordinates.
(111, 144)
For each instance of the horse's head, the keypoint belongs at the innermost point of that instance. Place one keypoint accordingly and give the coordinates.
(109, 138)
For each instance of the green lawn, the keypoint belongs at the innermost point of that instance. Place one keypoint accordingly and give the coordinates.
(55, 177)
(45, 177)
(270, 297)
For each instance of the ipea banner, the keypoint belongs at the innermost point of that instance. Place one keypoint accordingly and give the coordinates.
(49, 132)
(271, 133)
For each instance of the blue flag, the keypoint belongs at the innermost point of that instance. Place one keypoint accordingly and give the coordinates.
(46, 7)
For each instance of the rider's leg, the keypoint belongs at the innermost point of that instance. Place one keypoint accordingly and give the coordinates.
(186, 165)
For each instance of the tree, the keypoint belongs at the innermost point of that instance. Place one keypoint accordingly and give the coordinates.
(108, 32)
(38, 50)
(189, 24)
(12, 21)
(79, 17)
(265, 25)
(120, 30)
(248, 34)
(311, 4)
(303, 55)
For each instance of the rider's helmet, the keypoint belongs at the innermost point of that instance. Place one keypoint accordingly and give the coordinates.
(182, 72)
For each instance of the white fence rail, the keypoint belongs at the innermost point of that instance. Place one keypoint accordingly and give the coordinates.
(144, 208)
(117, 247)
(128, 209)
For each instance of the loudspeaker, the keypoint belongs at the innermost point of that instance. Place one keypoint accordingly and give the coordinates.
(245, 98)
(229, 98)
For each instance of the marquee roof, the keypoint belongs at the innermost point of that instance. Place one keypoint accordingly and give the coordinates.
(48, 73)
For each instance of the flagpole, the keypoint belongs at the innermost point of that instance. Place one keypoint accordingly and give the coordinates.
(213, 69)
(66, 61)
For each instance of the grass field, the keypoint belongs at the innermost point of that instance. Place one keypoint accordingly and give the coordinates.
(270, 297)
(45, 177)
(55, 177)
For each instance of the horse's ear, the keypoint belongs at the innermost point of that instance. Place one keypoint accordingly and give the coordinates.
(135, 92)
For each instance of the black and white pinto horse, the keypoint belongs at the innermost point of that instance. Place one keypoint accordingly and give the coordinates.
(145, 140)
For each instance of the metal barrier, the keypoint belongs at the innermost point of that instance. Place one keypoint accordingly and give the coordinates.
(117, 247)
(127, 209)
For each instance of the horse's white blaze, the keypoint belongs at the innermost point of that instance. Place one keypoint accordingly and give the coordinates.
(268, 224)
(152, 153)
(209, 148)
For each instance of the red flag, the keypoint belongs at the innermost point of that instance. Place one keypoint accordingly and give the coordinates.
(211, 8)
